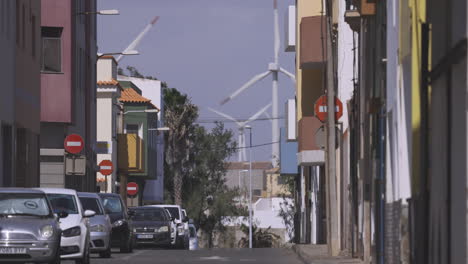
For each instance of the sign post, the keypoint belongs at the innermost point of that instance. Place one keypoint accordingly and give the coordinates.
(321, 109)
(73, 145)
(106, 168)
(132, 190)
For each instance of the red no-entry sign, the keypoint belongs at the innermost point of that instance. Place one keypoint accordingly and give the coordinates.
(106, 167)
(132, 188)
(73, 144)
(321, 107)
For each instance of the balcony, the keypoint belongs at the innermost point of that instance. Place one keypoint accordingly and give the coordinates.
(131, 153)
(313, 38)
(310, 151)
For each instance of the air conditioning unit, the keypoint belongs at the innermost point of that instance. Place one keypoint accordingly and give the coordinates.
(291, 120)
(290, 27)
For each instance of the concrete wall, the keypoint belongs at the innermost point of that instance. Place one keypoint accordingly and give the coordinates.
(56, 93)
(7, 107)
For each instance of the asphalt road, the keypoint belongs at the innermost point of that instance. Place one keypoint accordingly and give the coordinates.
(143, 256)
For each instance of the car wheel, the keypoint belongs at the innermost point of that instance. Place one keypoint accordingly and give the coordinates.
(106, 254)
(85, 259)
(126, 245)
(56, 259)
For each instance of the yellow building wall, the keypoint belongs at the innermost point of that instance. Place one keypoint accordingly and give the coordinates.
(418, 16)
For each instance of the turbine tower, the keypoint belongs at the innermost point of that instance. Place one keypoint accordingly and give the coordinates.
(274, 69)
(140, 36)
(242, 154)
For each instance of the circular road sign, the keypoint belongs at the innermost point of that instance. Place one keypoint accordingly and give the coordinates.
(132, 188)
(321, 106)
(106, 167)
(73, 144)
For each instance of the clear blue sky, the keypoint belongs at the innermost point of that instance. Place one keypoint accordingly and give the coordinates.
(207, 49)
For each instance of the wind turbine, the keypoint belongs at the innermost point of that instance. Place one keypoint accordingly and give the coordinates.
(274, 69)
(241, 137)
(140, 36)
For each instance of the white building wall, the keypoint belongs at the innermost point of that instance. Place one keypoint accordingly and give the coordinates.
(398, 151)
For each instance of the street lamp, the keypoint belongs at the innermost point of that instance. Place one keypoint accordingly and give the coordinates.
(102, 12)
(250, 186)
(128, 52)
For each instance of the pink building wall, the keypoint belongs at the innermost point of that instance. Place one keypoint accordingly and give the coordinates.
(56, 89)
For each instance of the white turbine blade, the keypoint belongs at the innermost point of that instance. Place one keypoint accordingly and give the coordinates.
(276, 29)
(290, 75)
(140, 36)
(225, 116)
(252, 81)
(257, 114)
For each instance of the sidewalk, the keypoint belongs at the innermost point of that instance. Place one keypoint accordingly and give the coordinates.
(318, 254)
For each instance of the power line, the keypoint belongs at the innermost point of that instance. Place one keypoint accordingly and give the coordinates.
(213, 120)
(260, 145)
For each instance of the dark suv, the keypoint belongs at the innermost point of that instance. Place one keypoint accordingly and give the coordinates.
(122, 226)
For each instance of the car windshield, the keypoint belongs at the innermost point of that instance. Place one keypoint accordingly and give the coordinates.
(112, 205)
(174, 212)
(149, 215)
(92, 204)
(63, 203)
(192, 232)
(24, 204)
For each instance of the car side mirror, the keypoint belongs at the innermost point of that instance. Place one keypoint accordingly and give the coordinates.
(62, 214)
(89, 213)
(186, 219)
(131, 213)
(172, 218)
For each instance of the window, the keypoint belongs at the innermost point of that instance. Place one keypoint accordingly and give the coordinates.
(132, 128)
(51, 49)
(33, 36)
(63, 203)
(92, 204)
(23, 28)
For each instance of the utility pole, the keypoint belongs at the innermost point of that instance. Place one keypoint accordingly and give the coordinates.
(332, 214)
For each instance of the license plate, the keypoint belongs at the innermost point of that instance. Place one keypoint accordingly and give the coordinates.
(144, 236)
(11, 250)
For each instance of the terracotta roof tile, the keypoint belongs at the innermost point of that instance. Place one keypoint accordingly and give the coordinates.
(111, 82)
(129, 95)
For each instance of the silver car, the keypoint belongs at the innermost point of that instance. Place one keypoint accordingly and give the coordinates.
(29, 230)
(100, 224)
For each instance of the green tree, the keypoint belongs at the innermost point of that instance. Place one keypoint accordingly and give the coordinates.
(261, 238)
(207, 198)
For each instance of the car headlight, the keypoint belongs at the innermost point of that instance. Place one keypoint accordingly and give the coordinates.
(47, 231)
(180, 230)
(71, 232)
(98, 228)
(118, 223)
(163, 229)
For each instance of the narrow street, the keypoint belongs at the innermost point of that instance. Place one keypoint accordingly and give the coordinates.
(144, 256)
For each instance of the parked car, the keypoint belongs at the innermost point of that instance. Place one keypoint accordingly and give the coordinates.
(100, 225)
(122, 226)
(29, 229)
(173, 227)
(186, 228)
(75, 239)
(193, 244)
(152, 226)
(179, 219)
